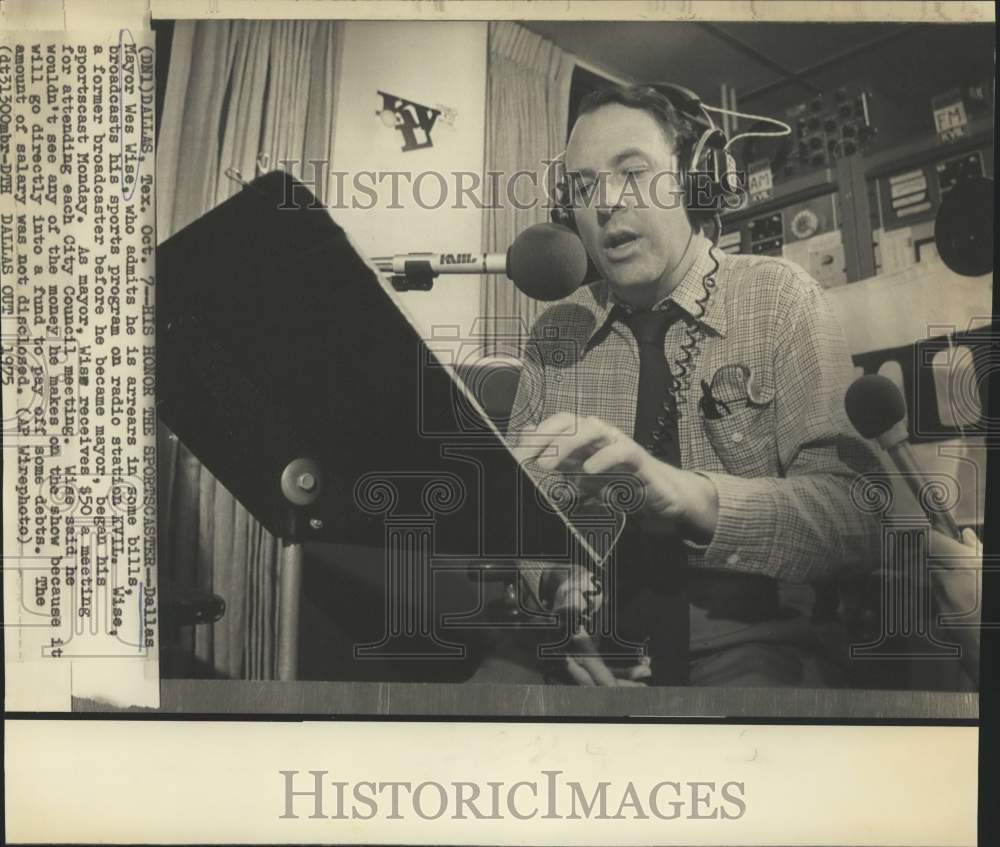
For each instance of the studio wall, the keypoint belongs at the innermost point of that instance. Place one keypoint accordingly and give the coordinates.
(404, 60)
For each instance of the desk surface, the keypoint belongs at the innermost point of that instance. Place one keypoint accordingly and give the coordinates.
(359, 699)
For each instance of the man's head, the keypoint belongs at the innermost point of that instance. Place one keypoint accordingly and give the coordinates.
(624, 161)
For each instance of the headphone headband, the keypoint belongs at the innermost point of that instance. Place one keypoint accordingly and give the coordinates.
(712, 141)
(684, 100)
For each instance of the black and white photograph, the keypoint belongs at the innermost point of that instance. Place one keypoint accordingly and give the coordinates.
(648, 356)
(498, 423)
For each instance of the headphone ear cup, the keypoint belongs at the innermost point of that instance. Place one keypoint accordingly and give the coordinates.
(730, 163)
(711, 153)
(730, 177)
(712, 162)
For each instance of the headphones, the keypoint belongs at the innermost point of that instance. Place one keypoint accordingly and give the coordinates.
(710, 172)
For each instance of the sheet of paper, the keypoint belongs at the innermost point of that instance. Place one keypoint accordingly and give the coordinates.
(77, 238)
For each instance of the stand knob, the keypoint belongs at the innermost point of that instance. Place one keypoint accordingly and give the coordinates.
(301, 482)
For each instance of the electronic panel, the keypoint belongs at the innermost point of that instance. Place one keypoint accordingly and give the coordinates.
(827, 128)
(767, 235)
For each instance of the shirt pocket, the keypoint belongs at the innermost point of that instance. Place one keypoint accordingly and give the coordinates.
(744, 440)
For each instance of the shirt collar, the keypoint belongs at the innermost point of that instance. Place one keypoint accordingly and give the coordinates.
(686, 294)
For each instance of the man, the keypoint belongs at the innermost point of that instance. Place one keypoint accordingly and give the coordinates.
(734, 370)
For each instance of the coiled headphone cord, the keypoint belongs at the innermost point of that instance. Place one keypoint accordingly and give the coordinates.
(680, 382)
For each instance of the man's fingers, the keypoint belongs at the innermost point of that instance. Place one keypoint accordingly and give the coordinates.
(554, 424)
(572, 591)
(599, 671)
(576, 671)
(636, 672)
(590, 435)
(586, 663)
(642, 669)
(565, 442)
(588, 668)
(541, 439)
(591, 662)
(592, 671)
(621, 454)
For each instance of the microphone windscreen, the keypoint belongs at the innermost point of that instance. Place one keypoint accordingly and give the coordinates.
(547, 261)
(874, 404)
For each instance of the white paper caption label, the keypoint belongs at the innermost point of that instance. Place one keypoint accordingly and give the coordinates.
(77, 237)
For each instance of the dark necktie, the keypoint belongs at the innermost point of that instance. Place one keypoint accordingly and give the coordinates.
(651, 569)
(655, 420)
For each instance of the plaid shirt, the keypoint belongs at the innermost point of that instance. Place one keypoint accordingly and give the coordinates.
(778, 445)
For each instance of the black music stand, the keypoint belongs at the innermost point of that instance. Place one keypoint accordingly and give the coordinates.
(286, 368)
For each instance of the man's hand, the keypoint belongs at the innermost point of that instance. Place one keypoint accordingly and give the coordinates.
(587, 449)
(568, 594)
(588, 668)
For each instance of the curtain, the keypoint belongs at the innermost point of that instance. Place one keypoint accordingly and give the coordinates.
(527, 108)
(240, 95)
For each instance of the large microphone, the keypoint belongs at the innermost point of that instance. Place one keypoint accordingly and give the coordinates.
(547, 262)
(877, 410)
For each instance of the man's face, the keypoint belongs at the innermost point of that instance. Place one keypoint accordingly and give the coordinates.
(634, 226)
